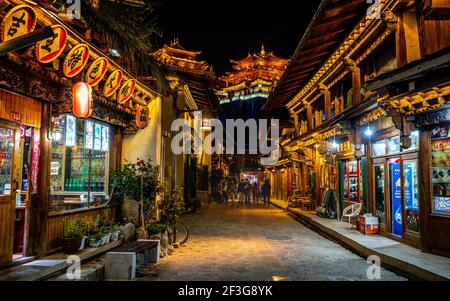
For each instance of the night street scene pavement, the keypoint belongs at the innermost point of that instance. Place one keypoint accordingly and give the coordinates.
(225, 148)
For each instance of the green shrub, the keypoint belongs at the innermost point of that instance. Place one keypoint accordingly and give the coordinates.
(75, 228)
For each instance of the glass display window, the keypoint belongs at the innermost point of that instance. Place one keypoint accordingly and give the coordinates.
(440, 171)
(380, 193)
(79, 164)
(379, 148)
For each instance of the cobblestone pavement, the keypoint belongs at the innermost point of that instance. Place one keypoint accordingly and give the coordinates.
(256, 243)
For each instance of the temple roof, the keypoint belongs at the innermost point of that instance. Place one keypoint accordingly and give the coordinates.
(176, 57)
(259, 66)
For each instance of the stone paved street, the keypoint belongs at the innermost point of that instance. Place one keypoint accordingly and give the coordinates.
(255, 243)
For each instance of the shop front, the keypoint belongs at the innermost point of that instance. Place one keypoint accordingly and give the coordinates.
(395, 186)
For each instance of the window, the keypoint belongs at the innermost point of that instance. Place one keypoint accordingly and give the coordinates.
(379, 193)
(440, 171)
(79, 164)
(393, 145)
(379, 148)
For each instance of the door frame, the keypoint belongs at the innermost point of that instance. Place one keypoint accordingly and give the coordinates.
(9, 242)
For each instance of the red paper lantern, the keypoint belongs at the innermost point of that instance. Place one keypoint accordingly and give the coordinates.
(82, 100)
(142, 117)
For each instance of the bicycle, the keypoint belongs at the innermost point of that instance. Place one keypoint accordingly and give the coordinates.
(181, 233)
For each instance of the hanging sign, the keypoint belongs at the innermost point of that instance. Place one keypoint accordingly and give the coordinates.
(18, 21)
(105, 138)
(75, 60)
(112, 83)
(96, 71)
(126, 90)
(142, 117)
(50, 49)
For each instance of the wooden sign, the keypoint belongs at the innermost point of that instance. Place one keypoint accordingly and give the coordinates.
(112, 83)
(75, 60)
(15, 116)
(50, 49)
(96, 71)
(126, 90)
(18, 21)
(142, 117)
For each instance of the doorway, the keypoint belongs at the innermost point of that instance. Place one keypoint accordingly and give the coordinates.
(9, 149)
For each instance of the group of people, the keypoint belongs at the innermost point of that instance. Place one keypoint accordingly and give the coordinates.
(244, 190)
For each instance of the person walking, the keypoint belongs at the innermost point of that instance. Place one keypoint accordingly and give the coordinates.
(247, 191)
(241, 191)
(265, 189)
(256, 192)
(232, 189)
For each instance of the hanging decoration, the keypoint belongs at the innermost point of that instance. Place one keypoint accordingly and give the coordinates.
(18, 21)
(112, 83)
(142, 116)
(50, 49)
(82, 100)
(75, 60)
(126, 90)
(96, 71)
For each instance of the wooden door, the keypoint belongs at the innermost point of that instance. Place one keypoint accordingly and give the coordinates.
(9, 149)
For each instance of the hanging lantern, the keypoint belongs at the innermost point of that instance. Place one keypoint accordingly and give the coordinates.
(142, 117)
(82, 100)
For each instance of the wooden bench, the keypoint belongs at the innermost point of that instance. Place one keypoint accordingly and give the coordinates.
(121, 263)
(147, 251)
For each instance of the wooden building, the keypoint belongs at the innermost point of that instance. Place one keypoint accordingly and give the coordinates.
(56, 166)
(192, 81)
(367, 89)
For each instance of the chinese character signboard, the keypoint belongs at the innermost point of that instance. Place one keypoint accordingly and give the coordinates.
(75, 60)
(105, 138)
(112, 83)
(89, 135)
(50, 49)
(96, 71)
(71, 130)
(18, 21)
(126, 90)
(142, 117)
(97, 137)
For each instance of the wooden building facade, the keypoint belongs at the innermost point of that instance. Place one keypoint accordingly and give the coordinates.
(54, 165)
(367, 89)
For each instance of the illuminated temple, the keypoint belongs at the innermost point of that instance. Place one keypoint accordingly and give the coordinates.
(252, 77)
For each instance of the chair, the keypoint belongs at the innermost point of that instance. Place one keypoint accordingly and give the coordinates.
(351, 211)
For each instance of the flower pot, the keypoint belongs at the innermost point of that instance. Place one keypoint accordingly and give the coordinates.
(115, 235)
(94, 243)
(106, 238)
(72, 245)
(164, 243)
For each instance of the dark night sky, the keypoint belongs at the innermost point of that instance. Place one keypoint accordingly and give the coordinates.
(229, 29)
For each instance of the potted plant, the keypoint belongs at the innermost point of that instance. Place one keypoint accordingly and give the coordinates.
(95, 240)
(74, 232)
(139, 181)
(115, 232)
(171, 207)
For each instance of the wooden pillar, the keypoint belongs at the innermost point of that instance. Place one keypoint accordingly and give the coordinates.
(425, 199)
(327, 99)
(294, 116)
(40, 202)
(309, 117)
(356, 79)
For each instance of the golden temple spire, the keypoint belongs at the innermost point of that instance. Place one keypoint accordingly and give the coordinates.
(263, 51)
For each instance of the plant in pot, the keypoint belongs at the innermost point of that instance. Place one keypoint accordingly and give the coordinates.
(139, 181)
(115, 232)
(95, 239)
(171, 207)
(74, 233)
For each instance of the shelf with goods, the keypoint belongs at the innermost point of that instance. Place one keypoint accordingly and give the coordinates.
(440, 174)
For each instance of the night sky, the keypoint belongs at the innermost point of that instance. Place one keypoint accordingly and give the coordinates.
(230, 29)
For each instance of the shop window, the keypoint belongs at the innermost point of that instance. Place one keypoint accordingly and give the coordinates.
(79, 164)
(6, 155)
(380, 193)
(379, 148)
(441, 170)
(411, 191)
(414, 141)
(393, 145)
